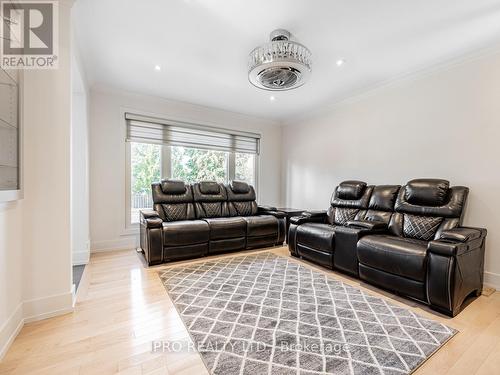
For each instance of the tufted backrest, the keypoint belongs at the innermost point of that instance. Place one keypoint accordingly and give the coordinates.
(349, 201)
(426, 207)
(241, 199)
(381, 204)
(173, 200)
(210, 199)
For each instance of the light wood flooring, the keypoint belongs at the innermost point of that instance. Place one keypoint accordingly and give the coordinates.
(122, 307)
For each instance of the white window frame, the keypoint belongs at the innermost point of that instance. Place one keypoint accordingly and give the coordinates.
(166, 172)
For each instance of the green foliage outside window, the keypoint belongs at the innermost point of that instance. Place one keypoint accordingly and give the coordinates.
(188, 164)
(245, 165)
(192, 165)
(146, 165)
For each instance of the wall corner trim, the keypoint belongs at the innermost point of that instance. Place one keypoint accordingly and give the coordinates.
(10, 330)
(81, 257)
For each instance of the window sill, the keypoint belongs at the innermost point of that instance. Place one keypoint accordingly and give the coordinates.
(11, 195)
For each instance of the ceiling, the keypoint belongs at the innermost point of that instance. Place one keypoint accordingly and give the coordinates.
(202, 45)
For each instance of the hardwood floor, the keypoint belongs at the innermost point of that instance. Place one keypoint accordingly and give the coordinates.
(122, 307)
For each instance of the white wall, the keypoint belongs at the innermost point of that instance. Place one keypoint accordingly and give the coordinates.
(35, 257)
(107, 156)
(80, 228)
(443, 124)
(46, 224)
(11, 266)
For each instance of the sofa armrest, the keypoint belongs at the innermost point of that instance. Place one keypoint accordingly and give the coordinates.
(151, 236)
(306, 217)
(346, 241)
(265, 209)
(457, 241)
(446, 248)
(151, 219)
(455, 268)
(462, 234)
(367, 224)
(276, 214)
(315, 214)
(269, 210)
(298, 220)
(309, 217)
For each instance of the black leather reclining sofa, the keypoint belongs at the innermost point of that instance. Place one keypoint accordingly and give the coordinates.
(405, 239)
(189, 221)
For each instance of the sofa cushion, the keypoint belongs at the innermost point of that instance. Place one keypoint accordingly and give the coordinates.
(344, 215)
(351, 194)
(226, 227)
(351, 189)
(186, 232)
(316, 235)
(396, 255)
(263, 225)
(427, 192)
(421, 227)
(384, 197)
(210, 200)
(242, 208)
(241, 199)
(173, 187)
(177, 211)
(239, 187)
(209, 187)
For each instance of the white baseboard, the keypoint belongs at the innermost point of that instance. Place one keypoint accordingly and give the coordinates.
(129, 242)
(33, 310)
(81, 257)
(492, 280)
(30, 311)
(47, 307)
(10, 330)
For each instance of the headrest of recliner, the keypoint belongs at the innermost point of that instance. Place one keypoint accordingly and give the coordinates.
(384, 197)
(427, 192)
(209, 187)
(351, 190)
(239, 187)
(173, 187)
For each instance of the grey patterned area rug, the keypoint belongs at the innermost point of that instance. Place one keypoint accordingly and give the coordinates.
(265, 314)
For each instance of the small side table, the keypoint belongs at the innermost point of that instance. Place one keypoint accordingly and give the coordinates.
(290, 212)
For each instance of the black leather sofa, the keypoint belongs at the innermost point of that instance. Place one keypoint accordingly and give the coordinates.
(189, 221)
(409, 240)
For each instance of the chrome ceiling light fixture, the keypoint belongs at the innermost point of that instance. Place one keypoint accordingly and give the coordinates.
(280, 64)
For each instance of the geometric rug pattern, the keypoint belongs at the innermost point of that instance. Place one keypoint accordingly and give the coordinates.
(265, 314)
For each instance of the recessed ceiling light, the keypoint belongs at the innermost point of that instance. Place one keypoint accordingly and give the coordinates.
(157, 68)
(272, 98)
(340, 62)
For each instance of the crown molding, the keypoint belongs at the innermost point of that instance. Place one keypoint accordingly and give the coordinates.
(238, 116)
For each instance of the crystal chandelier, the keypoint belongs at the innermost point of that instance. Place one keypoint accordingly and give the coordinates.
(280, 64)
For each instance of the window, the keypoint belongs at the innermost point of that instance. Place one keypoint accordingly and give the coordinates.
(10, 136)
(192, 164)
(245, 167)
(145, 168)
(157, 150)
